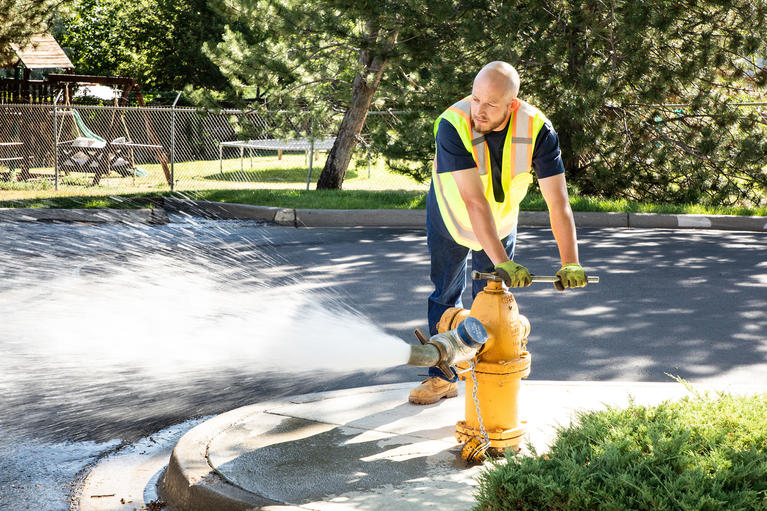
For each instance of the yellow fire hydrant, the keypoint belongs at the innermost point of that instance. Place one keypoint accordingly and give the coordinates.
(494, 376)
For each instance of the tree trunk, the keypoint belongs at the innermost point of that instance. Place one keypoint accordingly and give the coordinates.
(363, 88)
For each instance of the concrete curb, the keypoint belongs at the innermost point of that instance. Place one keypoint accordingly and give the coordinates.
(190, 483)
(91, 216)
(582, 219)
(721, 222)
(360, 217)
(417, 218)
(299, 217)
(230, 211)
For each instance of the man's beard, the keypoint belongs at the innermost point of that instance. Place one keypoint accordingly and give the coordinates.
(487, 130)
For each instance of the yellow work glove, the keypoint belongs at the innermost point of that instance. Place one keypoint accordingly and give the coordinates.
(513, 274)
(570, 275)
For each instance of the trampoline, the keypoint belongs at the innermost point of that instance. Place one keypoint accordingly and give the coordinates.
(271, 144)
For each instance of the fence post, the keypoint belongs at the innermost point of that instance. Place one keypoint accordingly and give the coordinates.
(56, 141)
(173, 143)
(311, 160)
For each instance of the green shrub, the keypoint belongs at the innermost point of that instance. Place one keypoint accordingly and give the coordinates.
(699, 453)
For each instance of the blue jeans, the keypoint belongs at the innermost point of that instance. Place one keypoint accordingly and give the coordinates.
(448, 272)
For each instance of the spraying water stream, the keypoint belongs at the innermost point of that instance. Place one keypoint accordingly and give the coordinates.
(109, 333)
(164, 313)
(167, 303)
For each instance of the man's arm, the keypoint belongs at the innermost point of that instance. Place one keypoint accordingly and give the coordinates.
(554, 190)
(482, 222)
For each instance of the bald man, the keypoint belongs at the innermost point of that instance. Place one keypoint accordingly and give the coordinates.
(486, 146)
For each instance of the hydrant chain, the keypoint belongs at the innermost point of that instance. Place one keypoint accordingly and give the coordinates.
(482, 430)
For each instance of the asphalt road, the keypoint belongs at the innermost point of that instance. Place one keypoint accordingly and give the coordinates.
(686, 303)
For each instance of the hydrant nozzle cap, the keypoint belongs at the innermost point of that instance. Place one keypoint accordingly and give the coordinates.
(472, 332)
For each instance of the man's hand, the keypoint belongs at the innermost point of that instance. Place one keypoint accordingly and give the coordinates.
(513, 274)
(570, 275)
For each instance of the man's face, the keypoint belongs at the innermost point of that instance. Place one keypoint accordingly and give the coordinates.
(489, 106)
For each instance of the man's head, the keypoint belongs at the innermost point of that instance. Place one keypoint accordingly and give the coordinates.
(495, 87)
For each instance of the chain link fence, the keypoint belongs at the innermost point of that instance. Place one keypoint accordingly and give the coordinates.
(78, 149)
(104, 149)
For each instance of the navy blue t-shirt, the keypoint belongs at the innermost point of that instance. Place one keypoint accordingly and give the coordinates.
(452, 155)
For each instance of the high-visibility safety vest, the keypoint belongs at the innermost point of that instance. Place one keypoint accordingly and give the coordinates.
(525, 123)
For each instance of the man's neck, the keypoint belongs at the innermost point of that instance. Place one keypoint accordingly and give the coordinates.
(504, 123)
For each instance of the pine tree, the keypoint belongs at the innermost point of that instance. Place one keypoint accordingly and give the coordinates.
(22, 19)
(642, 94)
(327, 57)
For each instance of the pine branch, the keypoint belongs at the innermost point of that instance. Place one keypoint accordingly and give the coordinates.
(312, 82)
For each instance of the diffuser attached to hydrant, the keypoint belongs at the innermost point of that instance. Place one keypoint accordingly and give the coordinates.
(450, 347)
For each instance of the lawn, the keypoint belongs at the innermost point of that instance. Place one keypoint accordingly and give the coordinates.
(260, 172)
(269, 181)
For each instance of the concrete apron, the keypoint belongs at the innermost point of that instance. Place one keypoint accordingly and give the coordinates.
(366, 448)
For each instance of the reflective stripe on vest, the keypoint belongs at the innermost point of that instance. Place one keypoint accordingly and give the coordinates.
(525, 123)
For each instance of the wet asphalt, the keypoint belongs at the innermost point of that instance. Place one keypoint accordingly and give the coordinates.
(671, 303)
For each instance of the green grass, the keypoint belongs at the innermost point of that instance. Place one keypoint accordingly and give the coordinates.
(699, 453)
(266, 180)
(318, 199)
(534, 202)
(129, 201)
(341, 199)
(263, 172)
(298, 199)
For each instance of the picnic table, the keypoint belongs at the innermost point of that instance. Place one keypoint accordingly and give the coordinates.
(21, 160)
(272, 144)
(11, 145)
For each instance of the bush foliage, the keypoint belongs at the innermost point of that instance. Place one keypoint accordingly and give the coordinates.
(698, 453)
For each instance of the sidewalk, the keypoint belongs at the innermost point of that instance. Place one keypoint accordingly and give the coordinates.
(364, 449)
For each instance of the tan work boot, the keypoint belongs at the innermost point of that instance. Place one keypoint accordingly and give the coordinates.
(432, 390)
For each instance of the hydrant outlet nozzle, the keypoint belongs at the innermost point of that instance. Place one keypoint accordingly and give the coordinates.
(449, 348)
